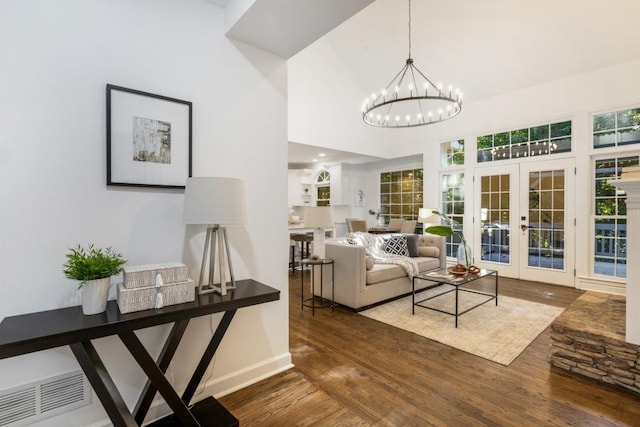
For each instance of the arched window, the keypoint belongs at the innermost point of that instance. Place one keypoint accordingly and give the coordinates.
(323, 188)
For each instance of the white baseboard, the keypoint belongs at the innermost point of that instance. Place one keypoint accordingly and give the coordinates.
(601, 285)
(235, 381)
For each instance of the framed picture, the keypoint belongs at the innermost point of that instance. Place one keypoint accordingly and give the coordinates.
(148, 139)
(360, 198)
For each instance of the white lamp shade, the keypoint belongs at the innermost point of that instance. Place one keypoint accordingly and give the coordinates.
(221, 201)
(318, 217)
(426, 215)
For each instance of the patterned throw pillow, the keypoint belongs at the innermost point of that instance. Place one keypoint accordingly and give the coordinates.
(396, 245)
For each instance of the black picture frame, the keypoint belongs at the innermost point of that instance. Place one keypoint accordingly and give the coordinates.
(149, 139)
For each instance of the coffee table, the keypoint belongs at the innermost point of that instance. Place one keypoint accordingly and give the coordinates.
(460, 284)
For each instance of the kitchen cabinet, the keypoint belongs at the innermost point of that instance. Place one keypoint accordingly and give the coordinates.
(300, 187)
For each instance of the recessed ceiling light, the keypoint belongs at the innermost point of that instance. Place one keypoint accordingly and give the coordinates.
(321, 154)
(315, 160)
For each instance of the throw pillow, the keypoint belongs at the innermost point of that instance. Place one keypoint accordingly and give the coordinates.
(369, 262)
(430, 251)
(412, 245)
(396, 245)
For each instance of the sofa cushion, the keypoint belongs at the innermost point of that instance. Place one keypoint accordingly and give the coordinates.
(412, 245)
(427, 263)
(429, 251)
(384, 272)
(396, 245)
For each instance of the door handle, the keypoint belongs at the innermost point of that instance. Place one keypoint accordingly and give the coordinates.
(524, 227)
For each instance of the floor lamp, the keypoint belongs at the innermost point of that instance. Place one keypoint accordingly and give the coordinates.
(215, 202)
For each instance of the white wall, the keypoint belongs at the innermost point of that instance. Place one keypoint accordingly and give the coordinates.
(324, 103)
(56, 59)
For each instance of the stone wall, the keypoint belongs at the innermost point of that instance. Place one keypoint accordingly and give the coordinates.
(588, 339)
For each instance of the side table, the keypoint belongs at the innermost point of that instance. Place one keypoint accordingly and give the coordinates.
(28, 333)
(313, 302)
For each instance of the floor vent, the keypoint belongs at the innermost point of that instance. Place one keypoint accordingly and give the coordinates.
(28, 403)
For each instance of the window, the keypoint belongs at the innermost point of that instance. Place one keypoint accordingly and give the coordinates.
(401, 194)
(453, 207)
(610, 217)
(323, 189)
(452, 153)
(617, 128)
(527, 142)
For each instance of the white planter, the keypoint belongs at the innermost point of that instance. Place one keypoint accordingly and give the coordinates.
(94, 295)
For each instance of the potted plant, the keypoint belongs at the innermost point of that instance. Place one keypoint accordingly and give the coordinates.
(93, 267)
(464, 250)
(378, 215)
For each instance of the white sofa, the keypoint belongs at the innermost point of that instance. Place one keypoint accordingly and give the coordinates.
(357, 287)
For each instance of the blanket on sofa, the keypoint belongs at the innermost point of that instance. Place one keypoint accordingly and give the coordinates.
(374, 245)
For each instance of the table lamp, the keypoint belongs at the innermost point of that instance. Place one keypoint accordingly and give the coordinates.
(318, 218)
(215, 202)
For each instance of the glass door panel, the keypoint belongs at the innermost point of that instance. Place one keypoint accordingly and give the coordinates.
(547, 251)
(495, 219)
(546, 219)
(494, 238)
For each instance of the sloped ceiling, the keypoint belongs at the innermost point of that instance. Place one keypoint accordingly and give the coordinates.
(486, 48)
(284, 27)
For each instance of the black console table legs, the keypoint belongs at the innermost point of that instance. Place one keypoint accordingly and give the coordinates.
(157, 378)
(201, 369)
(169, 349)
(102, 384)
(109, 395)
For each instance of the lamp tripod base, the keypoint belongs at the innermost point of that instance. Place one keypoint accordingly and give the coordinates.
(215, 288)
(216, 236)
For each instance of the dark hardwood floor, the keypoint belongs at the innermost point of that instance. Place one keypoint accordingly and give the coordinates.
(354, 371)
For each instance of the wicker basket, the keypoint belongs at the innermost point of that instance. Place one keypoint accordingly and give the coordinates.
(144, 298)
(139, 276)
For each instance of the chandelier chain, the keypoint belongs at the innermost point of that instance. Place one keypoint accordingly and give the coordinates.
(409, 29)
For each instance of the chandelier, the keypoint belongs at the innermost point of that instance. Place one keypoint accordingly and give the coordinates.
(411, 99)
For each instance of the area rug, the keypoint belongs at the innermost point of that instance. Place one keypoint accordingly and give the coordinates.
(498, 334)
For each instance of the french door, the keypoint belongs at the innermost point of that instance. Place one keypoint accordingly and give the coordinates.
(526, 220)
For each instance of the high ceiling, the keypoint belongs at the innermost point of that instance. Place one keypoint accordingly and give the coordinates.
(487, 47)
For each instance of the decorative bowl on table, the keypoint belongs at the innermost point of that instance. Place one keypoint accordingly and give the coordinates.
(457, 269)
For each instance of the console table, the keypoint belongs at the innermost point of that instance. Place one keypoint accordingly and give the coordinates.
(43, 330)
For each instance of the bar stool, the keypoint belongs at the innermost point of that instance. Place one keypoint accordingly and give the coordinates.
(304, 240)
